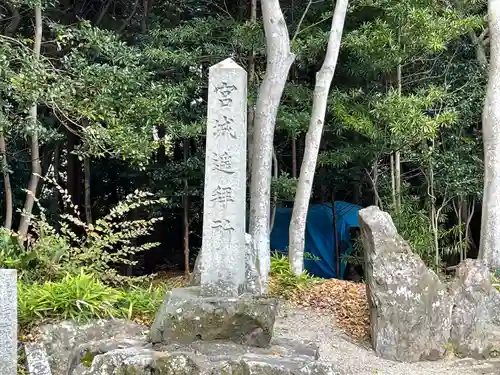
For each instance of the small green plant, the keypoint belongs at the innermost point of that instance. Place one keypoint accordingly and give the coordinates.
(84, 297)
(284, 282)
(79, 298)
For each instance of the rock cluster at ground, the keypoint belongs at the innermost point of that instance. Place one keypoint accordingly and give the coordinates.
(413, 314)
(119, 347)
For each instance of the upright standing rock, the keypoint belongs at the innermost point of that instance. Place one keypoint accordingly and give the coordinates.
(8, 322)
(474, 332)
(223, 245)
(410, 309)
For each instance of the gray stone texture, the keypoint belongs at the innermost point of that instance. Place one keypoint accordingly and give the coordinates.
(474, 332)
(37, 360)
(410, 309)
(8, 322)
(281, 358)
(187, 316)
(66, 340)
(252, 278)
(222, 266)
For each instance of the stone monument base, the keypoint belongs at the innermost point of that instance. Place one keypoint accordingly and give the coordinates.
(282, 357)
(186, 316)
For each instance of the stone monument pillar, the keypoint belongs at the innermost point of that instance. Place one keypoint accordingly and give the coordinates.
(223, 245)
(8, 322)
(222, 306)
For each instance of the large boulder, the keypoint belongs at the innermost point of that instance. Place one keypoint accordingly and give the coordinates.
(410, 309)
(474, 329)
(187, 316)
(67, 340)
(252, 273)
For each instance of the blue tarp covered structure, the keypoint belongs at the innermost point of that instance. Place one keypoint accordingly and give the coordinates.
(320, 237)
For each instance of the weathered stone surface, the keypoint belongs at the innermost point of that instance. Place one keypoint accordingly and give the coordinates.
(63, 340)
(473, 329)
(252, 278)
(410, 309)
(222, 265)
(186, 316)
(37, 360)
(8, 322)
(211, 358)
(226, 350)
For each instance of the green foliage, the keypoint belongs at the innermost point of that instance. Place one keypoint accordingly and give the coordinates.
(284, 282)
(98, 249)
(83, 297)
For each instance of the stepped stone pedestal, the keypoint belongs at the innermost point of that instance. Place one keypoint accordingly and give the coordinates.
(187, 316)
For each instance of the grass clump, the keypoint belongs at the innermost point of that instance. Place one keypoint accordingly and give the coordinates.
(283, 282)
(83, 297)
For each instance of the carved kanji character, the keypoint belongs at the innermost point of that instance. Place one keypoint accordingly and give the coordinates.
(224, 126)
(223, 162)
(225, 90)
(222, 194)
(223, 224)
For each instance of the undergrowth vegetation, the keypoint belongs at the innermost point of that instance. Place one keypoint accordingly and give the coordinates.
(283, 282)
(83, 297)
(72, 272)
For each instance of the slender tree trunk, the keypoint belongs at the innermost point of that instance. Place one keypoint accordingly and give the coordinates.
(35, 152)
(480, 44)
(279, 61)
(335, 237)
(251, 81)
(6, 183)
(55, 190)
(397, 154)
(294, 157)
(489, 247)
(144, 18)
(460, 230)
(313, 139)
(103, 12)
(88, 202)
(186, 210)
(275, 196)
(434, 217)
(15, 19)
(393, 182)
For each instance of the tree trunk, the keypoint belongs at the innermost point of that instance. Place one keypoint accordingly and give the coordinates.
(393, 182)
(88, 202)
(35, 152)
(186, 210)
(251, 108)
(275, 196)
(489, 247)
(55, 190)
(397, 154)
(279, 61)
(313, 139)
(6, 183)
(294, 157)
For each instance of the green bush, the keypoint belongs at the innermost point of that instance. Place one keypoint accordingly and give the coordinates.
(50, 255)
(284, 283)
(83, 297)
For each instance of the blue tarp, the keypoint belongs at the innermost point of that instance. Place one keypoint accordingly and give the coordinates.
(320, 239)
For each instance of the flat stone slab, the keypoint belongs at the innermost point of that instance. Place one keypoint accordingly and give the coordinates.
(284, 357)
(37, 360)
(187, 316)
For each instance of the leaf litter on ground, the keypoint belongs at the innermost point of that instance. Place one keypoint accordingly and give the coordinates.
(346, 300)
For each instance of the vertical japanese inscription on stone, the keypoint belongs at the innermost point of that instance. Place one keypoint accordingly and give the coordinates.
(223, 245)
